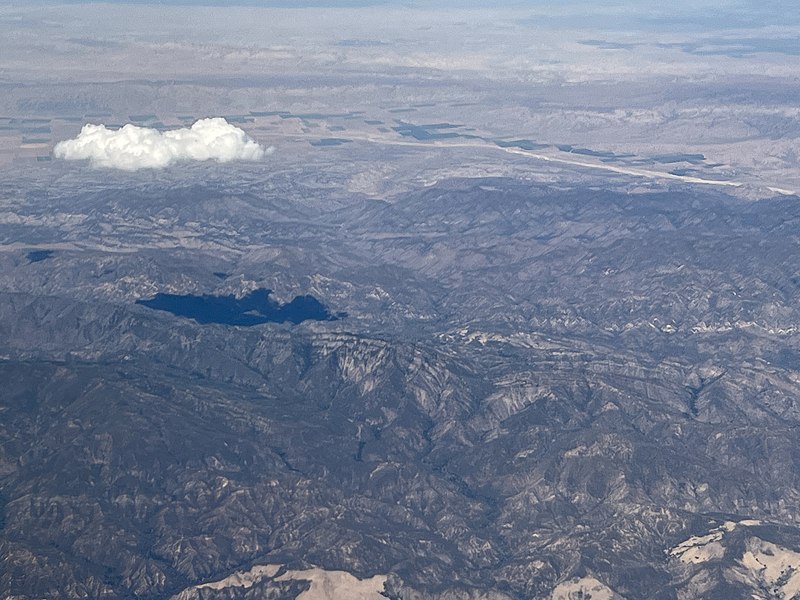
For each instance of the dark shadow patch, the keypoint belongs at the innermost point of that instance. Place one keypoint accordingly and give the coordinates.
(606, 45)
(360, 43)
(330, 142)
(431, 131)
(522, 144)
(35, 256)
(255, 308)
(667, 159)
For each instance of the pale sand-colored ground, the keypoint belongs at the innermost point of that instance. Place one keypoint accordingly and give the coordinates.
(325, 585)
(337, 585)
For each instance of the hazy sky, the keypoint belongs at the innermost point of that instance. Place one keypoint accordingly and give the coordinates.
(656, 14)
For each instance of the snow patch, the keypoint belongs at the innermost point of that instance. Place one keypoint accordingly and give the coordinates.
(586, 588)
(700, 549)
(242, 579)
(765, 565)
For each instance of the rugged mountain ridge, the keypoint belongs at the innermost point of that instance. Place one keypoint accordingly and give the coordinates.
(536, 393)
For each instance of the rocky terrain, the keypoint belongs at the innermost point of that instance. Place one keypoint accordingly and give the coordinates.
(536, 392)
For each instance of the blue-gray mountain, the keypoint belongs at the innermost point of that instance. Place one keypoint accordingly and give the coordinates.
(534, 387)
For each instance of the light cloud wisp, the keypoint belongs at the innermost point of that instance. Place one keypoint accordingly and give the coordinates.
(131, 147)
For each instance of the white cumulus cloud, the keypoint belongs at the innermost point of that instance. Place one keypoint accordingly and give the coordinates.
(131, 147)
